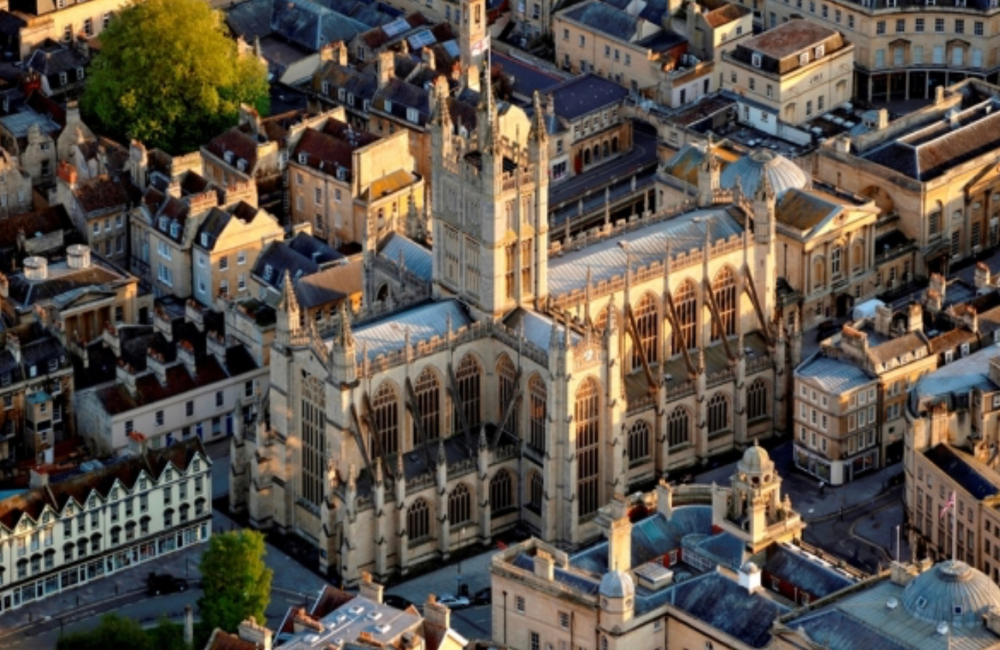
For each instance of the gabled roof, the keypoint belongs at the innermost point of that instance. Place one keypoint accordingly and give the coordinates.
(79, 487)
(53, 58)
(240, 145)
(606, 19)
(722, 603)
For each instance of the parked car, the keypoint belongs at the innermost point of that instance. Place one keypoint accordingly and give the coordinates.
(164, 583)
(392, 600)
(483, 596)
(454, 602)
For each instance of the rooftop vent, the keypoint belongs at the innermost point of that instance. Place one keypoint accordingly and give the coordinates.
(942, 628)
(892, 603)
(36, 268)
(374, 615)
(357, 609)
(78, 256)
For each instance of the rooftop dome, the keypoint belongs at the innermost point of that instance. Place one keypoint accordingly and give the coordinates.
(755, 459)
(617, 584)
(782, 172)
(951, 592)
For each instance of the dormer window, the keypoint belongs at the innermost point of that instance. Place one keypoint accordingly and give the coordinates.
(755, 60)
(63, 78)
(818, 53)
(79, 74)
(241, 165)
(268, 272)
(804, 58)
(388, 106)
(303, 159)
(341, 94)
(163, 223)
(412, 115)
(341, 174)
(367, 105)
(350, 99)
(228, 157)
(174, 229)
(326, 88)
(204, 239)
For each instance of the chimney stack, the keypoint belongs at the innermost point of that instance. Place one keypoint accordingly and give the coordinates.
(620, 536)
(883, 319)
(370, 589)
(545, 566)
(256, 634)
(436, 613)
(749, 577)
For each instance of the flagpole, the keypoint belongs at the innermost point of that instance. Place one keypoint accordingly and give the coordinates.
(954, 529)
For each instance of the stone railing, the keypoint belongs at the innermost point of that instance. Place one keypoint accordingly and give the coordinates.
(505, 452)
(464, 334)
(420, 483)
(462, 467)
(681, 390)
(654, 270)
(640, 404)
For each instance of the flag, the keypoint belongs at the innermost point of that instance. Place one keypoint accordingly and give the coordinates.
(948, 506)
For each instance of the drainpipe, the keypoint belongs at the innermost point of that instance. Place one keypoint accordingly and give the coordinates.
(505, 618)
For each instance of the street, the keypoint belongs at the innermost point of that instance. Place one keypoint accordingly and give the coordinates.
(855, 522)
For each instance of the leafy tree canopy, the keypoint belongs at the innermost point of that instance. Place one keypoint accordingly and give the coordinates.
(235, 581)
(121, 633)
(168, 75)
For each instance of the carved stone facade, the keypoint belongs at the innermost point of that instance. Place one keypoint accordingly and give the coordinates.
(537, 383)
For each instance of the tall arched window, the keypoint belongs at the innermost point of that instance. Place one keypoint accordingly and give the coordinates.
(757, 398)
(538, 395)
(601, 323)
(418, 520)
(678, 429)
(468, 376)
(501, 492)
(724, 292)
(385, 416)
(460, 505)
(427, 391)
(536, 488)
(686, 304)
(638, 442)
(587, 415)
(646, 319)
(507, 378)
(718, 413)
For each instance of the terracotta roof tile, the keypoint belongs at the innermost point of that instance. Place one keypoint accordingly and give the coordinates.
(101, 193)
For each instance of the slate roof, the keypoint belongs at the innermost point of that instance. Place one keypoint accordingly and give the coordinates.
(806, 574)
(652, 537)
(422, 323)
(722, 603)
(329, 285)
(19, 123)
(907, 343)
(527, 79)
(932, 149)
(537, 327)
(606, 259)
(585, 94)
(972, 476)
(52, 58)
(417, 258)
(838, 631)
(79, 487)
(61, 280)
(833, 375)
(605, 18)
(804, 210)
(315, 249)
(403, 95)
(956, 378)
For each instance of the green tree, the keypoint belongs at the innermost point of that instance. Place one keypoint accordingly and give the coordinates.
(169, 76)
(235, 582)
(121, 633)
